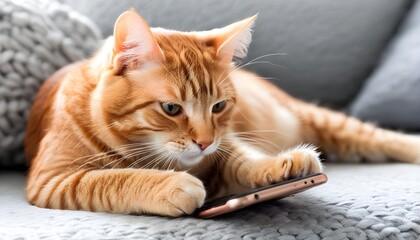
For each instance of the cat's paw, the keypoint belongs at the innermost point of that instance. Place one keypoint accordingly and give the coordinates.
(185, 194)
(417, 148)
(298, 162)
(304, 161)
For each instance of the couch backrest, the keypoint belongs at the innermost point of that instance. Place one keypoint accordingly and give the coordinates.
(331, 46)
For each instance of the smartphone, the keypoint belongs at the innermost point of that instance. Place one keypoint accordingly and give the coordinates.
(233, 203)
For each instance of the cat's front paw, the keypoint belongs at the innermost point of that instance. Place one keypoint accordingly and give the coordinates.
(299, 162)
(184, 195)
(303, 161)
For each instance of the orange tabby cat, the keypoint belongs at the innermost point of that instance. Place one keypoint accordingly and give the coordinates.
(157, 120)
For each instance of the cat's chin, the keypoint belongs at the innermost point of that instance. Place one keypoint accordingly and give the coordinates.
(193, 155)
(191, 160)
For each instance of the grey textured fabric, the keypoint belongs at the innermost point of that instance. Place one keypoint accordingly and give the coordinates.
(391, 96)
(379, 201)
(331, 45)
(36, 38)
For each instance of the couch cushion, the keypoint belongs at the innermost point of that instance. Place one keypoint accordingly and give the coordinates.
(377, 201)
(331, 45)
(36, 38)
(391, 96)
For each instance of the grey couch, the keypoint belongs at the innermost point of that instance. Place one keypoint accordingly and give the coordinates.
(357, 56)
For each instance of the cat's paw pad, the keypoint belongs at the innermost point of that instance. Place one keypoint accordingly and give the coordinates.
(184, 195)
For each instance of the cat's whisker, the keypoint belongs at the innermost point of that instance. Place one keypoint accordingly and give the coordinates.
(219, 157)
(261, 57)
(102, 156)
(101, 153)
(106, 154)
(173, 158)
(162, 156)
(176, 160)
(251, 135)
(99, 159)
(255, 131)
(264, 62)
(94, 158)
(249, 64)
(268, 55)
(261, 144)
(88, 157)
(143, 158)
(224, 81)
(155, 152)
(254, 61)
(155, 160)
(127, 157)
(230, 155)
(166, 160)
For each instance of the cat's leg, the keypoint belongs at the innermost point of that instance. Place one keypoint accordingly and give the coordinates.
(353, 140)
(348, 138)
(246, 167)
(137, 191)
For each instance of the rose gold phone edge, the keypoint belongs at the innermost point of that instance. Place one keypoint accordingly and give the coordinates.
(264, 195)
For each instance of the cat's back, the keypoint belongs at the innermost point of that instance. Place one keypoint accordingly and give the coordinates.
(40, 115)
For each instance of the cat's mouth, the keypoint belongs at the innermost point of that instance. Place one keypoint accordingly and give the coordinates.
(211, 148)
(195, 156)
(192, 159)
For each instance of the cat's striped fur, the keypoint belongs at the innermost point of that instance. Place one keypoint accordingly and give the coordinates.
(99, 139)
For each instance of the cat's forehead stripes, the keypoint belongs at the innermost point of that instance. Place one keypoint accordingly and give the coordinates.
(190, 61)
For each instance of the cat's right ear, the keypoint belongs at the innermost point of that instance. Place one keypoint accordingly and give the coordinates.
(134, 43)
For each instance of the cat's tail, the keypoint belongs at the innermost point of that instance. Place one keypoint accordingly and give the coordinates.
(350, 139)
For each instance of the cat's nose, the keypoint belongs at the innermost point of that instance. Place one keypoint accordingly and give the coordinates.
(203, 144)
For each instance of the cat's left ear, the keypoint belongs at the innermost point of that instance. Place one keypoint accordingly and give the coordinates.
(233, 40)
(134, 43)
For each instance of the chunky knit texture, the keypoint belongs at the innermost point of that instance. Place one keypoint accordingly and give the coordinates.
(376, 201)
(36, 38)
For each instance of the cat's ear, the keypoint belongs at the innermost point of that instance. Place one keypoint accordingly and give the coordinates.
(233, 40)
(134, 43)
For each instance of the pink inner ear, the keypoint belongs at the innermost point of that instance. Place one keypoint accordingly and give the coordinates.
(134, 43)
(233, 40)
(227, 49)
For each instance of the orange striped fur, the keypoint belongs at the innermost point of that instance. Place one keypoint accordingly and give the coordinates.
(99, 137)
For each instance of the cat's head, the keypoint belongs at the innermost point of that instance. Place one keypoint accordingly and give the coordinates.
(168, 91)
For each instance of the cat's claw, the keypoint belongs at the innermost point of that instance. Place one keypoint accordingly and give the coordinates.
(186, 195)
(299, 162)
(304, 161)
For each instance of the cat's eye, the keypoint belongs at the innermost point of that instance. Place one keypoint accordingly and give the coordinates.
(171, 109)
(218, 107)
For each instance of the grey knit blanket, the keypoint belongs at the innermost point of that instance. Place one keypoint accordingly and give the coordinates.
(378, 201)
(36, 38)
